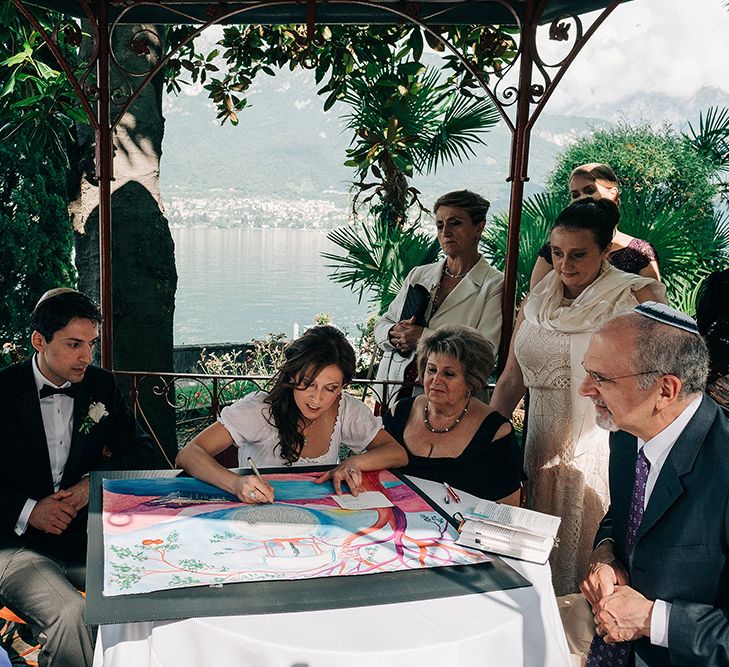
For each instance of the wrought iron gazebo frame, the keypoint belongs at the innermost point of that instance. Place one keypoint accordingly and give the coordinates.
(520, 104)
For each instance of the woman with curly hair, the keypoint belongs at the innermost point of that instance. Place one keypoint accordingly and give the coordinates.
(302, 421)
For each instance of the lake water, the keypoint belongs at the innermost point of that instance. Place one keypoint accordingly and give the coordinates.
(238, 284)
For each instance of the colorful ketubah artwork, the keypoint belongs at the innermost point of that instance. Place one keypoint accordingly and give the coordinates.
(172, 533)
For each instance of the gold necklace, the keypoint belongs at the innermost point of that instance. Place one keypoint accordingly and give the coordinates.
(432, 429)
(454, 275)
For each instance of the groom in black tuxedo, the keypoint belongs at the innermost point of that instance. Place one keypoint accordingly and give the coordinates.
(61, 418)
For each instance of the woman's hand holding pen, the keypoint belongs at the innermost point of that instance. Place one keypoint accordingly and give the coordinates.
(252, 490)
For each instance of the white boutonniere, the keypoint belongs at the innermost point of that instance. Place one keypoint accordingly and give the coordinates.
(97, 411)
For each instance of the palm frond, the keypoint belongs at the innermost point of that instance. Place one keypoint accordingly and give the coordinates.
(685, 290)
(377, 257)
(687, 249)
(463, 122)
(712, 137)
(538, 215)
(422, 107)
(679, 242)
(359, 267)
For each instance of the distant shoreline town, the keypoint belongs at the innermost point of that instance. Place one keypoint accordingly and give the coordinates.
(247, 212)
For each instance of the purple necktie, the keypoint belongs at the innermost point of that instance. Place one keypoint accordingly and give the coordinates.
(618, 655)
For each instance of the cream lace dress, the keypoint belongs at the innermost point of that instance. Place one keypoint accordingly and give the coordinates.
(574, 487)
(565, 452)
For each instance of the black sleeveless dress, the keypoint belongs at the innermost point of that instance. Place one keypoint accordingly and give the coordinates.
(487, 468)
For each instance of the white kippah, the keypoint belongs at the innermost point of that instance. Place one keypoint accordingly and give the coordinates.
(54, 292)
(667, 315)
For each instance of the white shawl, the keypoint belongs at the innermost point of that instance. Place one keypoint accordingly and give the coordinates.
(612, 293)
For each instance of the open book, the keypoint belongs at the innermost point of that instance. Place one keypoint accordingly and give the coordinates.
(510, 531)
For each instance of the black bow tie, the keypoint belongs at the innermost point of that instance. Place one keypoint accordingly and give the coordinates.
(47, 390)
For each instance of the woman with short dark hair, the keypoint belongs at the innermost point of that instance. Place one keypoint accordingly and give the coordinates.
(461, 288)
(303, 420)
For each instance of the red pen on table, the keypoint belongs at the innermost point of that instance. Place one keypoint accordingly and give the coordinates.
(451, 492)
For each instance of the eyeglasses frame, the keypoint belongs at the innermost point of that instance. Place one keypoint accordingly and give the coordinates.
(599, 379)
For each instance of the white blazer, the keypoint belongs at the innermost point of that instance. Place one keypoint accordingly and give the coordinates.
(475, 301)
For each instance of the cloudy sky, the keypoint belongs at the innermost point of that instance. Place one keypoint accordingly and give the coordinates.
(670, 46)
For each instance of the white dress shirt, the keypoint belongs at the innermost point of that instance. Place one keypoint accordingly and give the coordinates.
(656, 450)
(57, 414)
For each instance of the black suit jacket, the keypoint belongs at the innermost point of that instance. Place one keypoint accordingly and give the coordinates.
(681, 553)
(116, 442)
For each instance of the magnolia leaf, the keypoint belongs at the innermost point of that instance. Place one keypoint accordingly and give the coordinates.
(17, 59)
(329, 103)
(416, 43)
(8, 87)
(75, 114)
(434, 43)
(45, 71)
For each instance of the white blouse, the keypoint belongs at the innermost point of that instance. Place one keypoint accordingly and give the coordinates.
(246, 421)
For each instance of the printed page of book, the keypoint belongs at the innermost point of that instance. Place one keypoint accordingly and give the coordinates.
(500, 541)
(485, 533)
(516, 517)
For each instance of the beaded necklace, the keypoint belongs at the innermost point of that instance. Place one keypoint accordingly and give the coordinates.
(453, 275)
(446, 273)
(432, 429)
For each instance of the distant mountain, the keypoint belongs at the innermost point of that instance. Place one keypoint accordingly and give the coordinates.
(657, 108)
(277, 150)
(287, 148)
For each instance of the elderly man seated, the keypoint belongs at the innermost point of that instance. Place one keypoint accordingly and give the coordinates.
(659, 576)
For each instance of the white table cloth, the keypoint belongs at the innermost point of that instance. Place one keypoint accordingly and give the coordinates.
(515, 627)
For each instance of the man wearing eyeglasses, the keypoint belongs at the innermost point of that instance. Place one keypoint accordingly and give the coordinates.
(659, 575)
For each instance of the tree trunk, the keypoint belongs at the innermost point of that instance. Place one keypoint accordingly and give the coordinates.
(395, 199)
(144, 278)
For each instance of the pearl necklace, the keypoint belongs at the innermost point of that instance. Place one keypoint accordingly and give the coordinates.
(454, 275)
(432, 429)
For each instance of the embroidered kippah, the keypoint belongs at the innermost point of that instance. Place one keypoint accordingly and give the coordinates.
(667, 315)
(56, 291)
